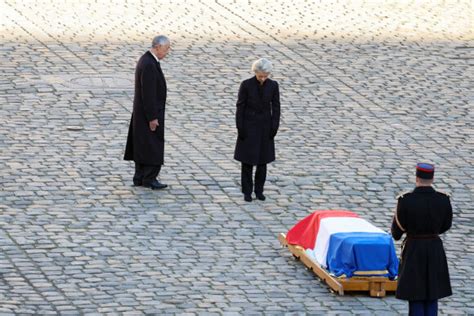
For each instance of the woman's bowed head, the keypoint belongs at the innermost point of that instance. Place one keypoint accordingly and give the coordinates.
(262, 69)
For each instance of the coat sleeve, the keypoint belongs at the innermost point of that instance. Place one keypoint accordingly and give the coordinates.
(275, 110)
(149, 82)
(448, 220)
(396, 230)
(241, 103)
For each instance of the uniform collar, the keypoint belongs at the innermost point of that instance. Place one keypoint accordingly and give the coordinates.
(426, 189)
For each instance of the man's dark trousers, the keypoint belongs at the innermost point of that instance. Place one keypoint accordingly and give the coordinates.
(260, 176)
(145, 174)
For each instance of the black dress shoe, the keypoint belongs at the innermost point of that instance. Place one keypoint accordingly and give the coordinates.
(137, 183)
(248, 197)
(260, 196)
(155, 185)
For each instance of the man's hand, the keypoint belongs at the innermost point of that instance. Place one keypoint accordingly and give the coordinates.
(153, 125)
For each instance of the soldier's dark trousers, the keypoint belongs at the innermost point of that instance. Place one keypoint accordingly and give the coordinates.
(260, 176)
(145, 174)
(423, 308)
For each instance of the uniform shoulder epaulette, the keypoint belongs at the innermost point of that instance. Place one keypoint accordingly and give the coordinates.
(444, 193)
(401, 195)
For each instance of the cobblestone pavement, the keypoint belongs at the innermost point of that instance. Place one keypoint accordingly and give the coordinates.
(367, 88)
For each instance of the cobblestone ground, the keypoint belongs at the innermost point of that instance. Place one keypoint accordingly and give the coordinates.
(367, 88)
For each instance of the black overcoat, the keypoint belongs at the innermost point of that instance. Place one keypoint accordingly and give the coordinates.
(143, 145)
(423, 272)
(257, 120)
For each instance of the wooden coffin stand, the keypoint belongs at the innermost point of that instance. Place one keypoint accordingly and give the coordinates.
(377, 286)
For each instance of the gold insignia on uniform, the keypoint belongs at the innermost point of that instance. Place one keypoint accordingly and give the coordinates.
(445, 193)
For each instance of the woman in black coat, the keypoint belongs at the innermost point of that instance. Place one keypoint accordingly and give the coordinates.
(257, 119)
(423, 215)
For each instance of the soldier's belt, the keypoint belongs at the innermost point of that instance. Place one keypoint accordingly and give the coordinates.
(422, 236)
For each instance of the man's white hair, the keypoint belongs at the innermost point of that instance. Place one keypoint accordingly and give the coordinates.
(160, 40)
(262, 65)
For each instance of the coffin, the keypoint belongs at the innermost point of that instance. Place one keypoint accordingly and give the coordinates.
(345, 244)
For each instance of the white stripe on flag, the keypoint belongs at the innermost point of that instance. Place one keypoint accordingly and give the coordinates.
(333, 225)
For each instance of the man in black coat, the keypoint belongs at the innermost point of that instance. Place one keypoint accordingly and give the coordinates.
(423, 215)
(257, 120)
(146, 134)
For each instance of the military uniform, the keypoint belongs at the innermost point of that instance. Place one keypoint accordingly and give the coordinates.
(423, 214)
(423, 271)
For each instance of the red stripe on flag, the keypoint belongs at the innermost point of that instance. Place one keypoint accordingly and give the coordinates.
(305, 231)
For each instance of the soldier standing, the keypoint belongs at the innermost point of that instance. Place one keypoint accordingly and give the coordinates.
(423, 215)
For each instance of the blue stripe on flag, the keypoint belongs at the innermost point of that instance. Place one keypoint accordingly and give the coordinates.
(356, 251)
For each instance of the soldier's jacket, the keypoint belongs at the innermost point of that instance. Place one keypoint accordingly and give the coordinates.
(423, 272)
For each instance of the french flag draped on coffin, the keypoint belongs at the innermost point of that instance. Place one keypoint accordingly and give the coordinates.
(345, 244)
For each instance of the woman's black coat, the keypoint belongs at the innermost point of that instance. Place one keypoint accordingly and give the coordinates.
(423, 272)
(257, 119)
(143, 145)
